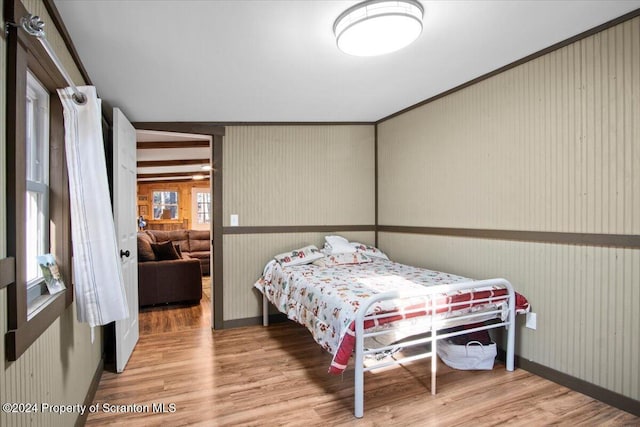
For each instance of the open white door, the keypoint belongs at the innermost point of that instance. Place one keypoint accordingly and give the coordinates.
(124, 213)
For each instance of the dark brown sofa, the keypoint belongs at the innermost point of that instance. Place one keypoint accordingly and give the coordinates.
(200, 248)
(162, 281)
(194, 243)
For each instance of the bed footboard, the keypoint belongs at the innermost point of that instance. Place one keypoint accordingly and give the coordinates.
(429, 300)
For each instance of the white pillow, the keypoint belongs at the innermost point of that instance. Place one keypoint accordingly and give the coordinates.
(337, 245)
(335, 239)
(305, 255)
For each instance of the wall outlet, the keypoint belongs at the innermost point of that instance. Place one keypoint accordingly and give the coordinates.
(233, 220)
(531, 321)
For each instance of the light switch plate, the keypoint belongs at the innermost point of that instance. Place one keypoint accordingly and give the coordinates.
(531, 321)
(233, 220)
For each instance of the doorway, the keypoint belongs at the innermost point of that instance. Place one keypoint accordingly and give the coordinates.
(174, 196)
(216, 134)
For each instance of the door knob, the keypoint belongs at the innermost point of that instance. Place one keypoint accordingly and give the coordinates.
(124, 253)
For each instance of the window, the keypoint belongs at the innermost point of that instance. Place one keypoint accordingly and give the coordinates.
(37, 189)
(37, 202)
(203, 200)
(165, 205)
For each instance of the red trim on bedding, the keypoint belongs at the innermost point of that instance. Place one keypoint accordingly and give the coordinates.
(347, 346)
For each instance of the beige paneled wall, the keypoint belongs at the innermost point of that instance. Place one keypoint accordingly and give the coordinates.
(586, 299)
(551, 145)
(245, 255)
(59, 366)
(299, 175)
(290, 175)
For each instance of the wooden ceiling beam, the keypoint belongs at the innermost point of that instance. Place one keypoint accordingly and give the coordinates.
(171, 174)
(169, 181)
(149, 145)
(161, 163)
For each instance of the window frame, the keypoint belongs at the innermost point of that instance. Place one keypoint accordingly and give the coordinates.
(37, 121)
(206, 212)
(176, 204)
(24, 53)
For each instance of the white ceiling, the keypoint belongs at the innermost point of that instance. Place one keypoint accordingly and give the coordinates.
(266, 61)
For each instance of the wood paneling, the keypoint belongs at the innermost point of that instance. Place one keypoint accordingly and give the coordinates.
(585, 298)
(245, 255)
(297, 229)
(589, 239)
(299, 175)
(184, 220)
(281, 379)
(289, 184)
(551, 146)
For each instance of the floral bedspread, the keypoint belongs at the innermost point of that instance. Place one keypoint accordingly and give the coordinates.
(326, 299)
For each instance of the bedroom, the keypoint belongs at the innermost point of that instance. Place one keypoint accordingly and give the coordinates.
(538, 167)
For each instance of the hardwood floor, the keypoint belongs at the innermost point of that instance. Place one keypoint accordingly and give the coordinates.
(171, 318)
(278, 376)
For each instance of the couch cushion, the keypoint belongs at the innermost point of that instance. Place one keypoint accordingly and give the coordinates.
(200, 254)
(199, 240)
(165, 251)
(180, 237)
(145, 251)
(199, 245)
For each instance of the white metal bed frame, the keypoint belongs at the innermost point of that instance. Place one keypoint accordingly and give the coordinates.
(429, 297)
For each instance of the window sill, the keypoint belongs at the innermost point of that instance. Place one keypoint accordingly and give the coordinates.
(39, 304)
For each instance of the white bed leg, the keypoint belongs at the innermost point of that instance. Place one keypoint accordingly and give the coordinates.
(434, 361)
(511, 334)
(265, 310)
(358, 393)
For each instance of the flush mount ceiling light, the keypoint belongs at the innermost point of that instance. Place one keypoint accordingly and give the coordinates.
(376, 27)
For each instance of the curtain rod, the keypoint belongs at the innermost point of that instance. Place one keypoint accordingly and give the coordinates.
(34, 26)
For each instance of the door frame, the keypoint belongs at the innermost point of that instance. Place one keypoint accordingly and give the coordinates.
(216, 132)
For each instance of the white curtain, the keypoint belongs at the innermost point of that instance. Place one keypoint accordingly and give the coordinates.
(99, 288)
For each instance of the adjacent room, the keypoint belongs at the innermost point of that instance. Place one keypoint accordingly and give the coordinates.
(398, 212)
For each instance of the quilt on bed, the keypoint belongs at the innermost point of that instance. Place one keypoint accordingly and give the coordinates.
(326, 299)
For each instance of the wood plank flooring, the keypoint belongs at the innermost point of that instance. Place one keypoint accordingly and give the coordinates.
(278, 376)
(170, 318)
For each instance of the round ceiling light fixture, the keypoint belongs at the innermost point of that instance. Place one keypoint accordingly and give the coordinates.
(376, 27)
